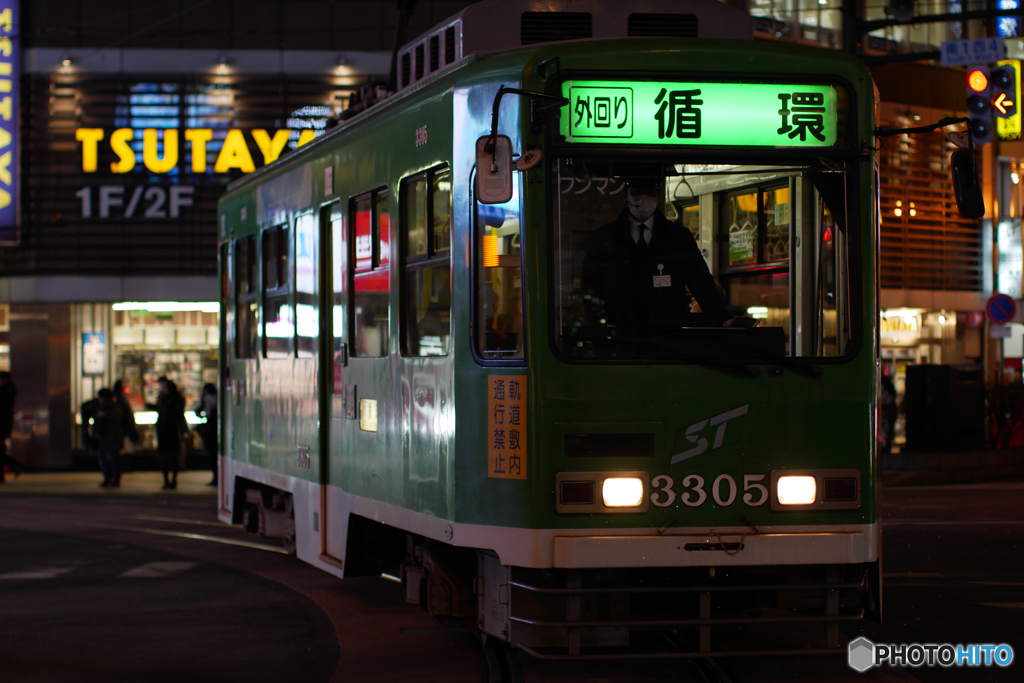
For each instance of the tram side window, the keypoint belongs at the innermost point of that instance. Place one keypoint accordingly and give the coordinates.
(246, 299)
(306, 289)
(499, 326)
(757, 226)
(755, 265)
(371, 283)
(426, 226)
(279, 322)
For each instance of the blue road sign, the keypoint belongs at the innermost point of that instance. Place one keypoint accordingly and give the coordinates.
(1001, 309)
(975, 51)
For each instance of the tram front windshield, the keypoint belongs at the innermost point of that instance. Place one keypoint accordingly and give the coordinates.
(679, 262)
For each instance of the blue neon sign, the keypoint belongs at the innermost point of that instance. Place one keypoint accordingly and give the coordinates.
(1008, 27)
(9, 70)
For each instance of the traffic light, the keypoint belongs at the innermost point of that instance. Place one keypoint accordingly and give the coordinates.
(1004, 91)
(979, 104)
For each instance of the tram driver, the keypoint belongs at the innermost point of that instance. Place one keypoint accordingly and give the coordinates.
(641, 266)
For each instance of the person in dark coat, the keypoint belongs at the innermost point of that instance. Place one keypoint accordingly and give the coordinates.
(641, 265)
(7, 394)
(109, 436)
(207, 430)
(170, 430)
(128, 425)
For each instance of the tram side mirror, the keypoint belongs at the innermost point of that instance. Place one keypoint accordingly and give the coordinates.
(493, 170)
(966, 188)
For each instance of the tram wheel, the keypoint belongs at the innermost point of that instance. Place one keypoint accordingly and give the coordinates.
(511, 665)
(289, 538)
(490, 665)
(289, 544)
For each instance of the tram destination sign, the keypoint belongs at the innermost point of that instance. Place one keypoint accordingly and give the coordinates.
(699, 114)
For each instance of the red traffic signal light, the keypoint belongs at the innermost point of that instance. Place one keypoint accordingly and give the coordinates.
(977, 79)
(979, 104)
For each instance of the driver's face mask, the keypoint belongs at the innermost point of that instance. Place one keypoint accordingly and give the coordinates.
(641, 205)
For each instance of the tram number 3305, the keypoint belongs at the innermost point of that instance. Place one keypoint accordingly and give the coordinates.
(723, 490)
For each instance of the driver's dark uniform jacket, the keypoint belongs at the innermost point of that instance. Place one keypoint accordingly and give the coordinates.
(621, 273)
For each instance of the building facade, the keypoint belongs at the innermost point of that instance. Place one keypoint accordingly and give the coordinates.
(131, 123)
(132, 119)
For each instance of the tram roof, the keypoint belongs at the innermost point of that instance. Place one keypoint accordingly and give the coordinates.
(494, 26)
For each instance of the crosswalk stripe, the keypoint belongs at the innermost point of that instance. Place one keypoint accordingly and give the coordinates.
(157, 570)
(40, 573)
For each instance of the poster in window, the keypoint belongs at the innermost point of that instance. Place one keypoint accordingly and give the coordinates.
(94, 353)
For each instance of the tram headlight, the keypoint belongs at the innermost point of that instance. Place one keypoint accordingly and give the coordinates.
(596, 492)
(800, 490)
(623, 492)
(796, 490)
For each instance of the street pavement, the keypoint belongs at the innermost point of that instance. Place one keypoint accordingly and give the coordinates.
(139, 584)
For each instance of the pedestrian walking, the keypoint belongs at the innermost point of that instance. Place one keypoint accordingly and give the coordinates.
(207, 430)
(109, 436)
(7, 394)
(170, 430)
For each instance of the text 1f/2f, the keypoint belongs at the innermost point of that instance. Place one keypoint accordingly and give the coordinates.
(153, 201)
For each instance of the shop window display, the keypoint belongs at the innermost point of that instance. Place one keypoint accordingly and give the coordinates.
(181, 345)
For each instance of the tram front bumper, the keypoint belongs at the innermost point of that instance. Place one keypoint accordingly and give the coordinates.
(719, 549)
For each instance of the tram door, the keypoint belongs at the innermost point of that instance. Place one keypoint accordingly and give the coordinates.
(361, 380)
(334, 333)
(224, 390)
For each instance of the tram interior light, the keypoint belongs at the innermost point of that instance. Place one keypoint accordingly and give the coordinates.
(758, 312)
(796, 490)
(623, 492)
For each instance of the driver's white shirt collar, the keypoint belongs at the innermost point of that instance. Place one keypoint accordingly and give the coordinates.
(634, 229)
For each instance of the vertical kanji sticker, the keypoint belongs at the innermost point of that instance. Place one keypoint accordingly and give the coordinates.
(506, 426)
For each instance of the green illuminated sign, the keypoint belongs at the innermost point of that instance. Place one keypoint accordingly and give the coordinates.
(699, 114)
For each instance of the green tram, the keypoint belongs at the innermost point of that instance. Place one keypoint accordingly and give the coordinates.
(436, 367)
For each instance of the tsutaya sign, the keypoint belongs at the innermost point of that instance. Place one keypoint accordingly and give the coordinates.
(9, 88)
(233, 154)
(700, 114)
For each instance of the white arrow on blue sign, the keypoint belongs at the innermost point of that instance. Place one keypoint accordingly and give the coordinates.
(976, 51)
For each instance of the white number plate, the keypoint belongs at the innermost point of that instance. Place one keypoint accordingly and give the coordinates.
(693, 491)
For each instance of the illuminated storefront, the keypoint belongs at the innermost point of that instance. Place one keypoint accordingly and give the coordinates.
(113, 274)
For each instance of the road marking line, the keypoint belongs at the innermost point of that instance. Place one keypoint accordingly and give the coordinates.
(179, 520)
(40, 573)
(1004, 605)
(157, 570)
(182, 534)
